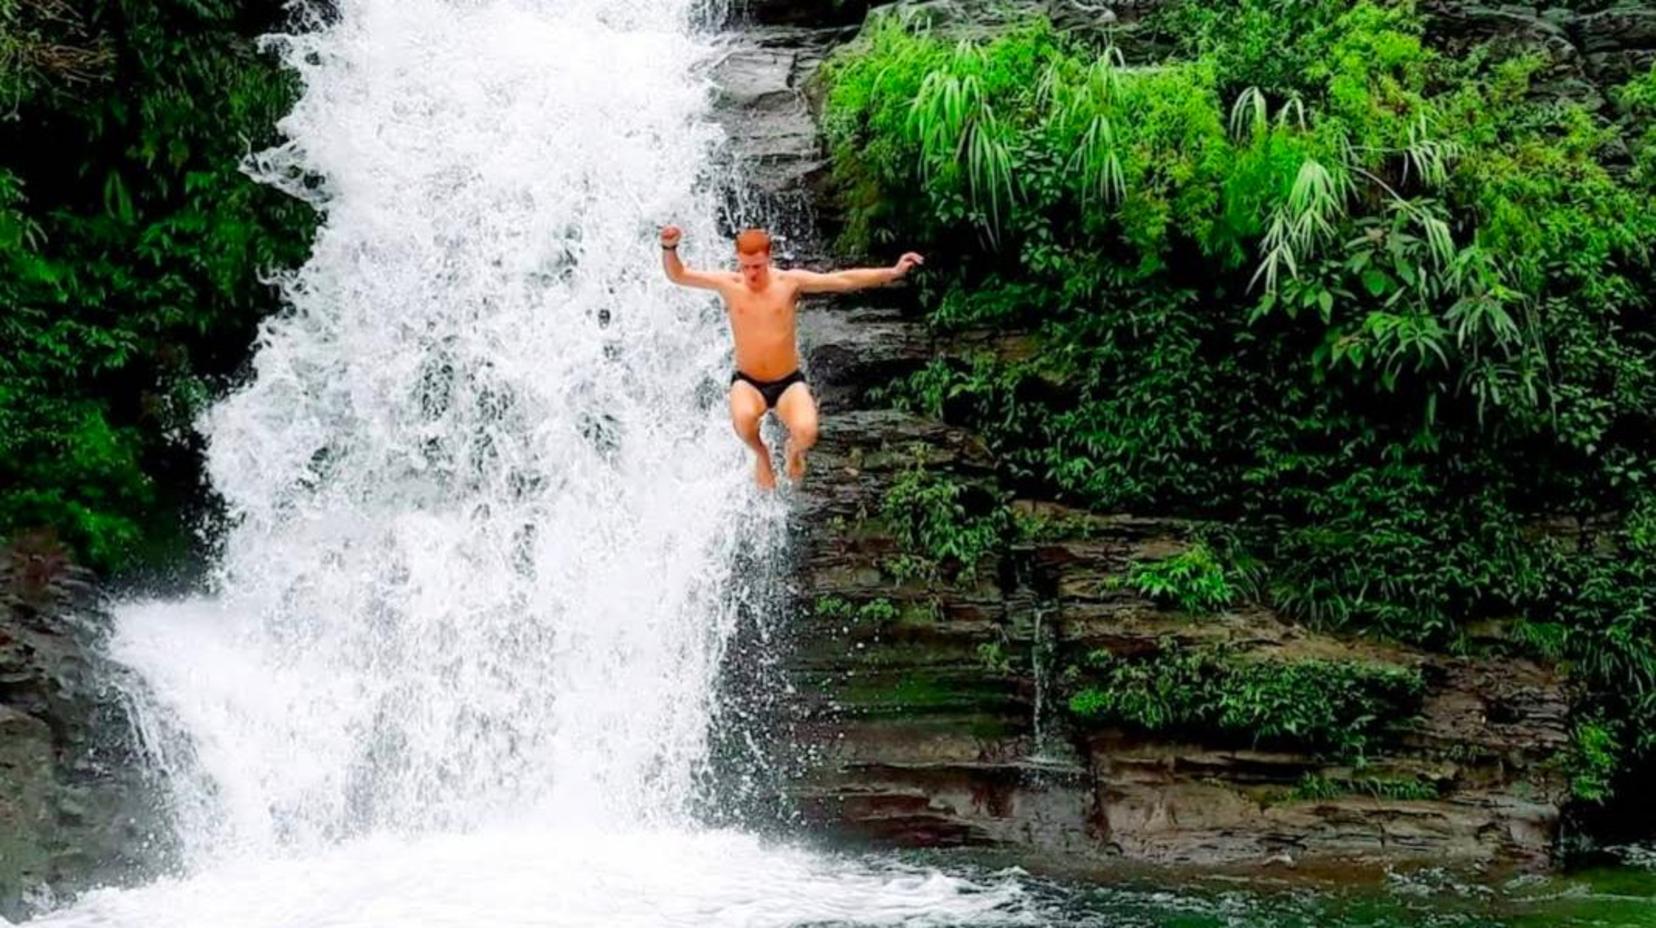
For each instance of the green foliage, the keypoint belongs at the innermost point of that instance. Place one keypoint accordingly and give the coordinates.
(1313, 788)
(1191, 581)
(1637, 101)
(1340, 706)
(47, 47)
(832, 607)
(1248, 44)
(1352, 196)
(1037, 526)
(1594, 759)
(877, 611)
(994, 657)
(131, 253)
(1384, 310)
(942, 523)
(873, 612)
(1402, 550)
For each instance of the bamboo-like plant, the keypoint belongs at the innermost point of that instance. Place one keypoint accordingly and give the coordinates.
(960, 135)
(1078, 119)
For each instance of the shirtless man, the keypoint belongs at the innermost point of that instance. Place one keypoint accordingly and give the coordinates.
(762, 302)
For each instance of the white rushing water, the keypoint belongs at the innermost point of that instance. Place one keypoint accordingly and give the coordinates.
(459, 665)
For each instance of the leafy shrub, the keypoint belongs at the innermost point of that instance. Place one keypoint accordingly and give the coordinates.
(838, 608)
(1192, 581)
(937, 521)
(1594, 758)
(994, 657)
(1637, 100)
(1342, 706)
(1030, 525)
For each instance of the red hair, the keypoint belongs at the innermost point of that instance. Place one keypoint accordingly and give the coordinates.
(753, 242)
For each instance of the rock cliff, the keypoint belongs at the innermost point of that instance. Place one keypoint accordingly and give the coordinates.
(928, 710)
(935, 711)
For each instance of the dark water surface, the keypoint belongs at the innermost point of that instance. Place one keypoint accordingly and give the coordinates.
(1056, 894)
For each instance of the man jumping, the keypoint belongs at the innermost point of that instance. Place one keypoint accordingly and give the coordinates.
(762, 304)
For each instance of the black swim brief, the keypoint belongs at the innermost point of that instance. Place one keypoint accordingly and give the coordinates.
(771, 390)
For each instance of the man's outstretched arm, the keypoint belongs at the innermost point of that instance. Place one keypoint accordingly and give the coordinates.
(678, 273)
(859, 278)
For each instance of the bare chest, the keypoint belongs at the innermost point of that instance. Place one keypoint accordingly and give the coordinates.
(762, 308)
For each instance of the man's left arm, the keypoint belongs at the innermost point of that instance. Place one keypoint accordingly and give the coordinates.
(859, 278)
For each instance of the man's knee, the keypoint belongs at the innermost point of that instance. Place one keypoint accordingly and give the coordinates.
(746, 409)
(804, 432)
(745, 418)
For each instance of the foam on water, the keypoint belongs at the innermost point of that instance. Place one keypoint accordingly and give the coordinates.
(459, 664)
(574, 879)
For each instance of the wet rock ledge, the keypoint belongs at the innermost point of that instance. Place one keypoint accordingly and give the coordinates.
(77, 807)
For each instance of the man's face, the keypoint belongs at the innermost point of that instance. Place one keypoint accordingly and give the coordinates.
(755, 268)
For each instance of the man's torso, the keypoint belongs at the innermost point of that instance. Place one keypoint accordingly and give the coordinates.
(764, 326)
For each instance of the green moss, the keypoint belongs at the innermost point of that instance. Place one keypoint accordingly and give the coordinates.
(914, 690)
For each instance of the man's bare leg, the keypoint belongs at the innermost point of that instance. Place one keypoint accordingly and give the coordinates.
(747, 407)
(797, 410)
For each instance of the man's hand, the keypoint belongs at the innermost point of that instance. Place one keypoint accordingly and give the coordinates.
(683, 276)
(908, 262)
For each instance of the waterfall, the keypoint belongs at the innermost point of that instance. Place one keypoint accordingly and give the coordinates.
(458, 660)
(484, 492)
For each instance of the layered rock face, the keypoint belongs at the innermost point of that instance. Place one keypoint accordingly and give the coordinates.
(928, 712)
(1591, 45)
(934, 710)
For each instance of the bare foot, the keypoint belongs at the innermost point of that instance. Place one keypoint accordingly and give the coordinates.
(763, 473)
(796, 462)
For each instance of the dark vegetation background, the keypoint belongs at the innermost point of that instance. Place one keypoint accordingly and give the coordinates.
(133, 259)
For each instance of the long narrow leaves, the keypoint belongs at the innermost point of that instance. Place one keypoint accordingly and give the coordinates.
(1248, 117)
(958, 131)
(1297, 226)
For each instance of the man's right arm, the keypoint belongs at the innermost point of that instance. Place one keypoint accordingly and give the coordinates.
(681, 275)
(859, 278)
